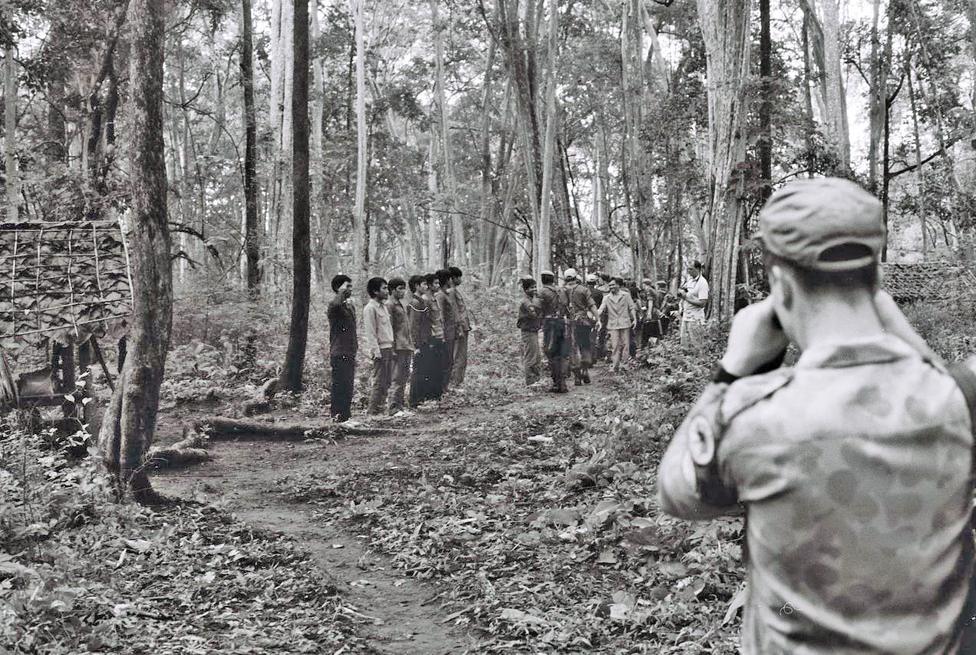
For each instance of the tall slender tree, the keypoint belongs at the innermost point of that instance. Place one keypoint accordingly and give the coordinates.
(291, 374)
(129, 422)
(543, 236)
(251, 252)
(9, 132)
(360, 243)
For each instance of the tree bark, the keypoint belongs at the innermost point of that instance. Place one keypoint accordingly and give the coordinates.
(130, 420)
(725, 27)
(291, 374)
(765, 107)
(824, 33)
(360, 245)
(919, 172)
(543, 236)
(251, 253)
(9, 133)
(457, 225)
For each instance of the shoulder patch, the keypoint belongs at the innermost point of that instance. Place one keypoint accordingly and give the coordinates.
(746, 392)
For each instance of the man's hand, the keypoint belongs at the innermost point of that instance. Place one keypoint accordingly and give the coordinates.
(754, 339)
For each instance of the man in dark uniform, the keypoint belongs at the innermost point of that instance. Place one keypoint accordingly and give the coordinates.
(854, 467)
(582, 318)
(555, 336)
(342, 348)
(599, 337)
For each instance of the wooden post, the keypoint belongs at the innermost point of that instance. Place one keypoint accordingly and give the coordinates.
(85, 374)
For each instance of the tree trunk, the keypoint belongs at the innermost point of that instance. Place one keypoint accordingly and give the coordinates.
(543, 237)
(360, 253)
(725, 27)
(291, 374)
(765, 107)
(251, 252)
(9, 133)
(130, 420)
(487, 196)
(824, 24)
(919, 172)
(457, 225)
(876, 95)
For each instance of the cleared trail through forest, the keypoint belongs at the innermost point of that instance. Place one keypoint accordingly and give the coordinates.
(252, 479)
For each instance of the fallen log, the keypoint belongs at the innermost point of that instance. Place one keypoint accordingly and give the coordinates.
(218, 427)
(263, 402)
(190, 450)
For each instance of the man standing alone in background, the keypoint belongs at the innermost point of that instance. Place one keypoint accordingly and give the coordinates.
(342, 348)
(694, 296)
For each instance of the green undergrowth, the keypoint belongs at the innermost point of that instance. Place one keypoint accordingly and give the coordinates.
(80, 573)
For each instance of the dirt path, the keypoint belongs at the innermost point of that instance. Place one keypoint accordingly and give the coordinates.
(401, 614)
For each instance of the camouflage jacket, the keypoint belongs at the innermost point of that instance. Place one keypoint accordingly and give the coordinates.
(553, 302)
(854, 469)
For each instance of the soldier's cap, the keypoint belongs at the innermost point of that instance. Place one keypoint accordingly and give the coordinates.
(570, 274)
(546, 272)
(807, 221)
(592, 277)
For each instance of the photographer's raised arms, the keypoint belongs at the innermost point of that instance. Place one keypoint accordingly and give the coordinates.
(853, 467)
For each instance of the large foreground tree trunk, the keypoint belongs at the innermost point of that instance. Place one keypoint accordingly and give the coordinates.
(725, 27)
(130, 420)
(250, 152)
(291, 375)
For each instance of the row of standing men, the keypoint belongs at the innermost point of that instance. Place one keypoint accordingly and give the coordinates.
(576, 319)
(422, 341)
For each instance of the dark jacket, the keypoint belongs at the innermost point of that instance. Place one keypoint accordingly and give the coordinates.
(419, 314)
(342, 328)
(553, 302)
(529, 315)
(446, 305)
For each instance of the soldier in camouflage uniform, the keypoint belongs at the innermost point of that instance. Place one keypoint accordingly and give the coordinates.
(582, 318)
(853, 467)
(556, 339)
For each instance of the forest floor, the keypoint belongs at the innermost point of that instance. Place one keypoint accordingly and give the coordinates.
(501, 519)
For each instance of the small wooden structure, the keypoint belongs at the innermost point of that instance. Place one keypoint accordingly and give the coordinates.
(62, 285)
(908, 283)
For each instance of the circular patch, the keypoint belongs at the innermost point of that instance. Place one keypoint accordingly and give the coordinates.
(701, 441)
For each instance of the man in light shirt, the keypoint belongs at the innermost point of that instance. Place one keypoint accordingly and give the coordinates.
(694, 296)
(378, 335)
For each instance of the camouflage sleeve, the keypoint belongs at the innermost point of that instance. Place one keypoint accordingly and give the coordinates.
(689, 483)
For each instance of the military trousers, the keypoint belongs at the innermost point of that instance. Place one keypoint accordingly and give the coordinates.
(558, 345)
(427, 379)
(581, 355)
(343, 382)
(531, 356)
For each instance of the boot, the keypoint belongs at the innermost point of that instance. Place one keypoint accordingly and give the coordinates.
(586, 376)
(577, 378)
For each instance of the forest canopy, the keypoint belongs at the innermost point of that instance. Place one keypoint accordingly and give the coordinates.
(502, 135)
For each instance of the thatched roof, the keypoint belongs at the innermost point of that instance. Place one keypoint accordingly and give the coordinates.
(60, 280)
(912, 282)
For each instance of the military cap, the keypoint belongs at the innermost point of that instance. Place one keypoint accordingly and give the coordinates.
(546, 272)
(806, 221)
(569, 274)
